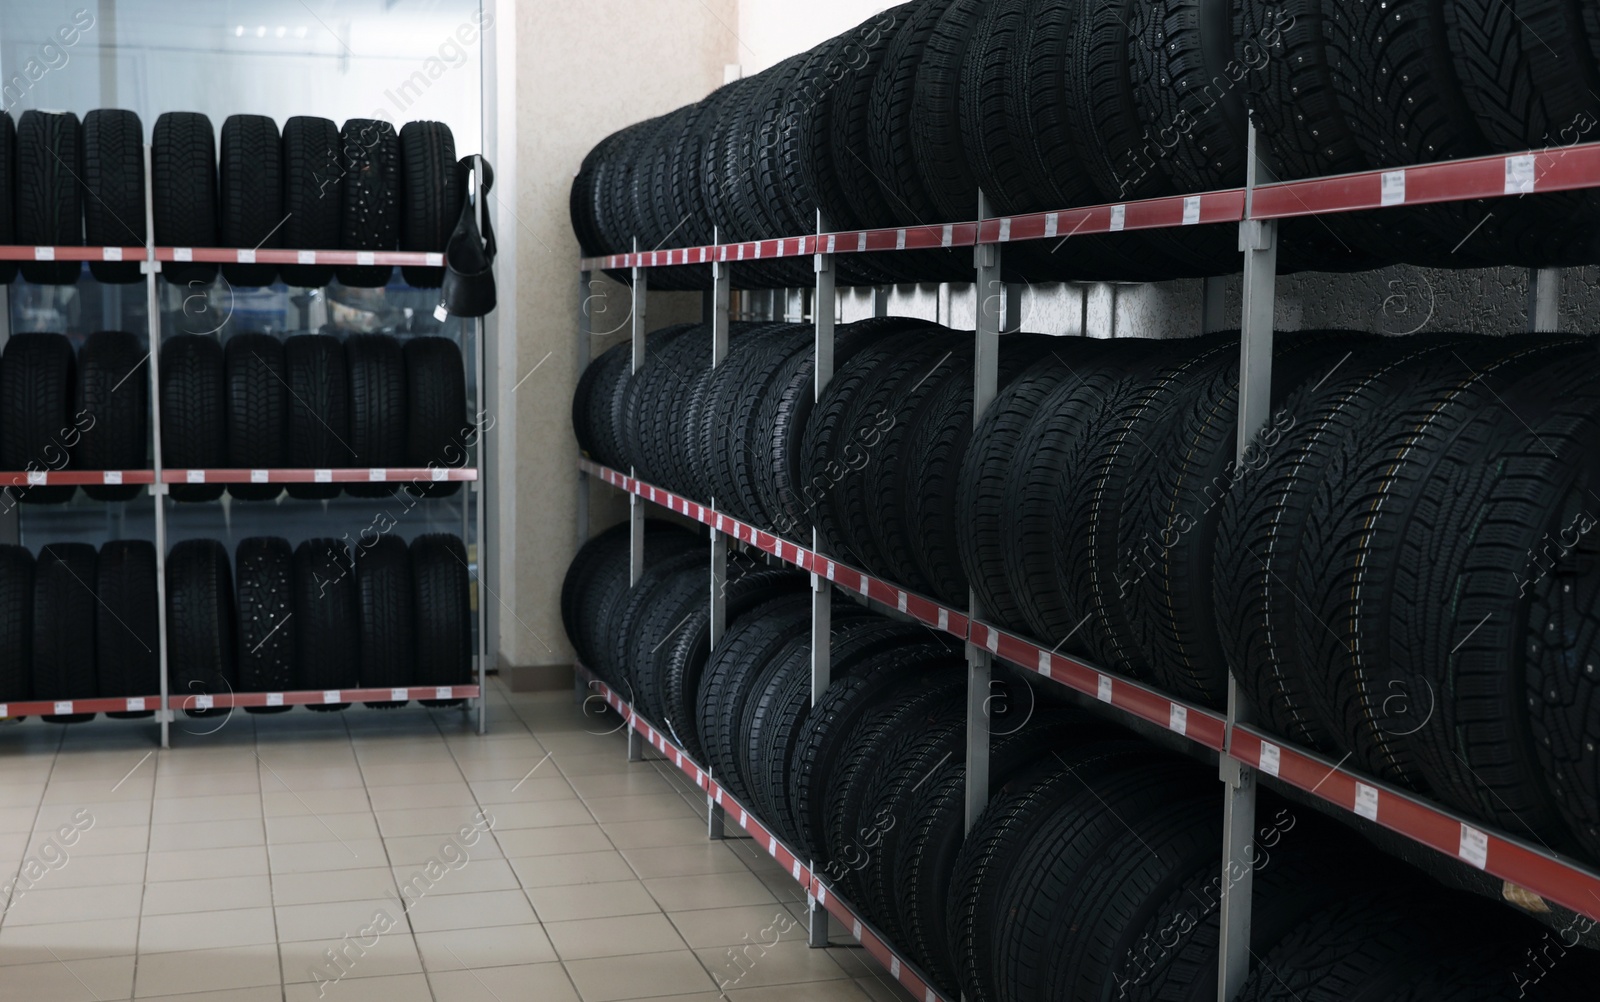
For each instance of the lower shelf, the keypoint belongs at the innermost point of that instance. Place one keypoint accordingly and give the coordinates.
(817, 890)
(48, 707)
(135, 704)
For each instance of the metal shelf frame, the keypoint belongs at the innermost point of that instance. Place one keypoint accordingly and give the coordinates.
(1243, 750)
(158, 478)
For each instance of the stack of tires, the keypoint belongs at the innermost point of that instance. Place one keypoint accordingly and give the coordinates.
(312, 401)
(77, 623)
(314, 186)
(1094, 869)
(317, 616)
(1050, 104)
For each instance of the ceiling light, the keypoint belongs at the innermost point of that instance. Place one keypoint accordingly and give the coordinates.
(261, 31)
(281, 31)
(300, 32)
(238, 32)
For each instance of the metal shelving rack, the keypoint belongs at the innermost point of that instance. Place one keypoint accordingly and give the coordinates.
(159, 478)
(1243, 749)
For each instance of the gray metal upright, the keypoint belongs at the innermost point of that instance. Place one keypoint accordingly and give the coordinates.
(825, 307)
(985, 379)
(152, 268)
(635, 506)
(716, 314)
(1258, 240)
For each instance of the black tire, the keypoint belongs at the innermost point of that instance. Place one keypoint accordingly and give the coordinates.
(38, 432)
(258, 410)
(433, 196)
(113, 197)
(126, 628)
(250, 194)
(114, 395)
(313, 195)
(194, 420)
(327, 616)
(438, 429)
(264, 576)
(370, 151)
(443, 612)
(183, 187)
(388, 626)
(201, 655)
(942, 162)
(49, 206)
(891, 143)
(8, 192)
(378, 419)
(63, 644)
(16, 623)
(319, 410)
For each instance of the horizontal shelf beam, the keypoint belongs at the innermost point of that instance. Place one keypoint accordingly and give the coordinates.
(74, 478)
(322, 697)
(51, 707)
(374, 475)
(222, 255)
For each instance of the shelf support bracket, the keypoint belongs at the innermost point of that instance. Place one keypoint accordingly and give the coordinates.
(824, 310)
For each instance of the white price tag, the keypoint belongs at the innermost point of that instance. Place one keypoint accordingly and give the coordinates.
(36, 477)
(1044, 663)
(366, 257)
(863, 588)
(1367, 801)
(306, 257)
(247, 256)
(1270, 757)
(435, 260)
(855, 929)
(183, 254)
(135, 704)
(1519, 175)
(377, 474)
(992, 642)
(1119, 217)
(441, 692)
(1052, 224)
(901, 604)
(204, 702)
(743, 817)
(900, 240)
(829, 575)
(195, 476)
(861, 242)
(111, 477)
(274, 699)
(822, 893)
(1474, 847)
(440, 473)
(944, 619)
(322, 476)
(795, 873)
(772, 845)
(948, 236)
(111, 253)
(928, 996)
(259, 476)
(1005, 229)
(678, 757)
(1178, 720)
(330, 695)
(894, 967)
(398, 695)
(1191, 210)
(719, 799)
(44, 253)
(64, 706)
(1394, 187)
(1103, 689)
(5, 710)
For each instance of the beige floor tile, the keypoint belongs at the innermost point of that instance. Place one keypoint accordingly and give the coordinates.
(882, 989)
(687, 830)
(313, 857)
(215, 808)
(711, 890)
(178, 896)
(477, 875)
(544, 982)
(359, 957)
(717, 927)
(413, 774)
(645, 976)
(70, 981)
(22, 794)
(344, 778)
(559, 813)
(646, 781)
(207, 834)
(546, 784)
(82, 792)
(207, 970)
(817, 991)
(608, 761)
(440, 912)
(395, 988)
(361, 884)
(232, 927)
(584, 901)
(14, 820)
(508, 770)
(788, 962)
(562, 840)
(100, 840)
(207, 784)
(272, 993)
(117, 814)
(320, 828)
(195, 864)
(613, 936)
(415, 849)
(563, 869)
(331, 920)
(46, 905)
(640, 807)
(500, 946)
(439, 821)
(94, 871)
(304, 803)
(183, 762)
(399, 798)
(684, 860)
(87, 938)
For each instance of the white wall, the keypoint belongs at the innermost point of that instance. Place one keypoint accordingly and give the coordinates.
(772, 30)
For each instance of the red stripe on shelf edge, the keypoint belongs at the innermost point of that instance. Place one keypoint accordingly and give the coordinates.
(392, 475)
(1568, 885)
(269, 255)
(17, 252)
(50, 707)
(75, 478)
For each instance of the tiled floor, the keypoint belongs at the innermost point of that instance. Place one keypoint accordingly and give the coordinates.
(395, 856)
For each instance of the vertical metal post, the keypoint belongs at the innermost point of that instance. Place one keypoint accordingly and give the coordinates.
(880, 300)
(985, 379)
(825, 309)
(152, 268)
(585, 356)
(716, 314)
(11, 520)
(1258, 240)
(1214, 304)
(635, 508)
(1544, 300)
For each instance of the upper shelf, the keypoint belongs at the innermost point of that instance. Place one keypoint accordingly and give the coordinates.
(1539, 172)
(221, 255)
